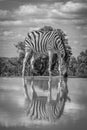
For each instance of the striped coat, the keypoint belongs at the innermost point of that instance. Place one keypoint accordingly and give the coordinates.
(40, 42)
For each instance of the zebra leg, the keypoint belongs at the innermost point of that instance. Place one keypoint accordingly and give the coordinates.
(60, 65)
(23, 71)
(50, 76)
(24, 63)
(32, 67)
(60, 73)
(65, 70)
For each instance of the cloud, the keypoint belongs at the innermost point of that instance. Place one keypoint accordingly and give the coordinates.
(2, 0)
(73, 7)
(32, 11)
(37, 15)
(56, 11)
(26, 9)
(7, 33)
(3, 12)
(10, 23)
(80, 1)
(70, 10)
(76, 42)
(71, 16)
(6, 15)
(59, 9)
(43, 11)
(80, 22)
(84, 36)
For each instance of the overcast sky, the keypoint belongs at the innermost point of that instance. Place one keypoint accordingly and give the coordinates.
(18, 17)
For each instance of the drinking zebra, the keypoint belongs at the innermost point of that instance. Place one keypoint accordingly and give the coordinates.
(39, 43)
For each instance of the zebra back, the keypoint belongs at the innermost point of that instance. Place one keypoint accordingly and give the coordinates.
(42, 41)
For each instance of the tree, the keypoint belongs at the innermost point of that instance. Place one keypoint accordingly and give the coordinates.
(72, 66)
(8, 66)
(82, 64)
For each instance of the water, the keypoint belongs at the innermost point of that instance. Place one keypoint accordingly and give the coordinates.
(12, 107)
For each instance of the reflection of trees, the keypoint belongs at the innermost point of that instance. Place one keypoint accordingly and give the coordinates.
(39, 108)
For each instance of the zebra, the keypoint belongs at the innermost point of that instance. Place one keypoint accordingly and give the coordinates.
(39, 43)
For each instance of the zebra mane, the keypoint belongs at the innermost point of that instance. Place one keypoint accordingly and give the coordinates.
(46, 29)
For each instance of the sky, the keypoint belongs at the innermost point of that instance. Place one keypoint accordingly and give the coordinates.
(18, 17)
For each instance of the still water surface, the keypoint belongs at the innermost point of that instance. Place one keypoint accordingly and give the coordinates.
(12, 107)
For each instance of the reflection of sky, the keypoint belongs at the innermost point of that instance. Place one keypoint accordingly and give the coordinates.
(12, 110)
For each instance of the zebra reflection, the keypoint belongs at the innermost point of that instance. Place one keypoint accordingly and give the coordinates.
(39, 108)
